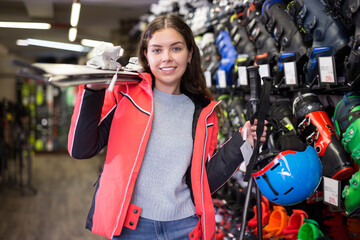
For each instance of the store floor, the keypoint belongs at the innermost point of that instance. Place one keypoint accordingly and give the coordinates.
(59, 208)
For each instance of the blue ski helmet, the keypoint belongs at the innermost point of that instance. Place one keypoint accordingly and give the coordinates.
(289, 177)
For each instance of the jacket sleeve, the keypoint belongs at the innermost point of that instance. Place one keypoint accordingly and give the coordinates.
(90, 126)
(225, 162)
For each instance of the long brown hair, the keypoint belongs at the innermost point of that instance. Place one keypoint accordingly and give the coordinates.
(193, 80)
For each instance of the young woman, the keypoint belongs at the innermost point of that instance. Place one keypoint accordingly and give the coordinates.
(161, 135)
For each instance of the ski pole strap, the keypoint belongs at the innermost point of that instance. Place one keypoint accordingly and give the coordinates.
(264, 105)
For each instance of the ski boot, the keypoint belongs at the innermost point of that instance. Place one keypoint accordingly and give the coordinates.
(278, 220)
(266, 50)
(242, 43)
(309, 230)
(210, 58)
(315, 127)
(228, 56)
(283, 135)
(349, 12)
(225, 129)
(287, 37)
(236, 112)
(320, 27)
(351, 193)
(347, 124)
(282, 28)
(352, 62)
(244, 47)
(295, 221)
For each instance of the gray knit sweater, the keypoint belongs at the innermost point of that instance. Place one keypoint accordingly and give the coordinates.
(160, 188)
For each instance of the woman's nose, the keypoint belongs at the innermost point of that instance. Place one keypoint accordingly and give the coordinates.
(166, 56)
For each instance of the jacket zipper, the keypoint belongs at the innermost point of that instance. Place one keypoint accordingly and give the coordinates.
(132, 170)
(202, 169)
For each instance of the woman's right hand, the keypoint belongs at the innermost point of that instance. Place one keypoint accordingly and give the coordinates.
(251, 132)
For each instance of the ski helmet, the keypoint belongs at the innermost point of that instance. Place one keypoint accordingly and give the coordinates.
(288, 177)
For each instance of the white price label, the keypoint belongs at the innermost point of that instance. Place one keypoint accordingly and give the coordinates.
(221, 78)
(208, 78)
(264, 71)
(332, 191)
(327, 70)
(290, 73)
(246, 151)
(242, 76)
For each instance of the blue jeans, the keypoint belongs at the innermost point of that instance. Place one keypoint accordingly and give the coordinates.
(160, 230)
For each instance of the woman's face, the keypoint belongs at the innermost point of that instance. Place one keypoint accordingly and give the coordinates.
(168, 57)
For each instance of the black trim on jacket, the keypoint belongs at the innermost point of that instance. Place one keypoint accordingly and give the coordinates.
(224, 163)
(92, 136)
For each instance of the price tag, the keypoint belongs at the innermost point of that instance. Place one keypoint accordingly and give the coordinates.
(327, 70)
(332, 191)
(242, 76)
(221, 78)
(290, 73)
(264, 71)
(246, 151)
(208, 78)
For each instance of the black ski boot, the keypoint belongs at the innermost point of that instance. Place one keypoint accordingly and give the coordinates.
(349, 11)
(286, 34)
(284, 135)
(321, 27)
(266, 50)
(243, 45)
(241, 41)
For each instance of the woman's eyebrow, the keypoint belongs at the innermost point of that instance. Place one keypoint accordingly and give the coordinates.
(175, 43)
(179, 42)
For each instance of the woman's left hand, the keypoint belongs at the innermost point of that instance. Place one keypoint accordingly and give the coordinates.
(251, 132)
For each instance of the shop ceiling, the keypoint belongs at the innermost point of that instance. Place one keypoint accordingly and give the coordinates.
(98, 20)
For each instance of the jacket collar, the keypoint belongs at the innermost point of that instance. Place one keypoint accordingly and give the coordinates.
(199, 100)
(147, 77)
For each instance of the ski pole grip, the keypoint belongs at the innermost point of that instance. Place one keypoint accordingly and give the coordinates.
(255, 87)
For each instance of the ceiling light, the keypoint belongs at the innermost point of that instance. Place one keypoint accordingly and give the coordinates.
(57, 45)
(75, 14)
(72, 34)
(27, 25)
(93, 43)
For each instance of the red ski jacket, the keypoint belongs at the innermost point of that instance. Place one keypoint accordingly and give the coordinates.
(122, 119)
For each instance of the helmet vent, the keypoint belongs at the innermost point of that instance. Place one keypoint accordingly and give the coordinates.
(288, 191)
(276, 165)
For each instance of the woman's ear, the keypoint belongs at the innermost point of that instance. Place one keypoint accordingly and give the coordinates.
(145, 54)
(190, 55)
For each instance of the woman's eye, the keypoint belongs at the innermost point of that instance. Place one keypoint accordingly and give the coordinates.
(176, 49)
(156, 50)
